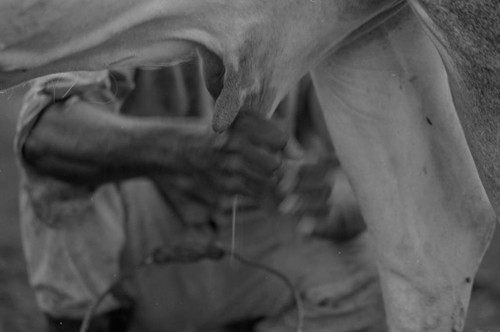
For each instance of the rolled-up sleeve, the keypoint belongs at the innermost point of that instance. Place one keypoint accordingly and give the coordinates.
(73, 236)
(103, 87)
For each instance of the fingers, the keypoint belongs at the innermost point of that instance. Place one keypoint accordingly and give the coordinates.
(310, 192)
(250, 160)
(252, 176)
(259, 132)
(245, 203)
(293, 150)
(261, 161)
(243, 182)
(247, 210)
(231, 185)
(247, 159)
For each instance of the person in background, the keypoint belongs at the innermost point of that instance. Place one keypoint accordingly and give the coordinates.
(117, 164)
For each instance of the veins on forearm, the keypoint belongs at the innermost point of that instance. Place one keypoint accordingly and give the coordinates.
(87, 145)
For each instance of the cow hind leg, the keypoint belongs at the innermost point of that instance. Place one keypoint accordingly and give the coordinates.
(466, 33)
(390, 113)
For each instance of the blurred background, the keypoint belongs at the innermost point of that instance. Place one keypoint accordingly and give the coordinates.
(18, 311)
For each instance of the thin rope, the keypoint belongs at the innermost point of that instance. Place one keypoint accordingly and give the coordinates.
(95, 305)
(296, 296)
(154, 259)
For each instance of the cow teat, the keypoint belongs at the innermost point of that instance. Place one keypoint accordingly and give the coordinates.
(240, 93)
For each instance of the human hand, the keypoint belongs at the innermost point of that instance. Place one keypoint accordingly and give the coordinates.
(191, 202)
(245, 160)
(343, 221)
(308, 187)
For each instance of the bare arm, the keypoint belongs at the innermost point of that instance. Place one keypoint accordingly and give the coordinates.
(83, 144)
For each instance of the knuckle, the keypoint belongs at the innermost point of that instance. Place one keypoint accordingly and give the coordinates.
(232, 164)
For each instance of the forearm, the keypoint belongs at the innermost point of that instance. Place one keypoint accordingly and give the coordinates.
(85, 144)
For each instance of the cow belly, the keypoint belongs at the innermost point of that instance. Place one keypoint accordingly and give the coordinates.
(389, 111)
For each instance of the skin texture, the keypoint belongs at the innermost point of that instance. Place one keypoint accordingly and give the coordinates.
(237, 162)
(401, 143)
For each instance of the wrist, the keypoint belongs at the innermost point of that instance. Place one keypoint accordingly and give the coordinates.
(176, 145)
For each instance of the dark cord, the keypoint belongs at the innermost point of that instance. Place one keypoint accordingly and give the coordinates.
(286, 281)
(190, 253)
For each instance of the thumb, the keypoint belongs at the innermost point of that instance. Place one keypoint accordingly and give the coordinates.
(293, 150)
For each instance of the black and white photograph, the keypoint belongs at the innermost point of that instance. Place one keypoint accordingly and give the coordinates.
(249, 165)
